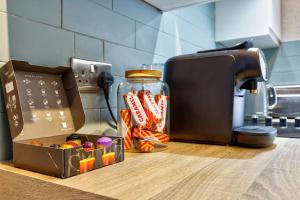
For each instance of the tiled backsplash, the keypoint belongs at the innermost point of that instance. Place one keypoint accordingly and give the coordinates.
(283, 63)
(125, 33)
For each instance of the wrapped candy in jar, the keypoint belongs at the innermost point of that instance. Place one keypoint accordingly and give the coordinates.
(143, 110)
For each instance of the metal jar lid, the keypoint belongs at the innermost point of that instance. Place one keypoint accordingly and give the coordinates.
(143, 73)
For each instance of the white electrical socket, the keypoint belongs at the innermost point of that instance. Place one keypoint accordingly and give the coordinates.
(86, 73)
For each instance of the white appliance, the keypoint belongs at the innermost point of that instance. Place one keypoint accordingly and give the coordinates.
(239, 20)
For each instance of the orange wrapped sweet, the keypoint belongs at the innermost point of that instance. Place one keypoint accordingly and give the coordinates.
(146, 146)
(126, 127)
(150, 107)
(140, 133)
(162, 137)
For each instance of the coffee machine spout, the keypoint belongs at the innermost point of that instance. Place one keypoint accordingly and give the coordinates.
(250, 85)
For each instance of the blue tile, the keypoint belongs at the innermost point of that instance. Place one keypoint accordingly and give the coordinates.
(146, 37)
(97, 100)
(39, 44)
(285, 78)
(290, 48)
(45, 11)
(97, 122)
(159, 59)
(105, 122)
(105, 3)
(160, 43)
(92, 115)
(286, 64)
(271, 57)
(199, 15)
(92, 19)
(90, 100)
(140, 11)
(269, 53)
(112, 93)
(203, 37)
(208, 9)
(5, 139)
(88, 48)
(124, 58)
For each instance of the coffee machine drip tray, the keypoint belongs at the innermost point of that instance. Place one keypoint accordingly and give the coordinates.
(255, 136)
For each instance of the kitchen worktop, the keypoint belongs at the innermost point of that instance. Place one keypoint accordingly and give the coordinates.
(195, 171)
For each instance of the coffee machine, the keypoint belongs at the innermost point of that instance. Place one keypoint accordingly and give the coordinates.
(207, 95)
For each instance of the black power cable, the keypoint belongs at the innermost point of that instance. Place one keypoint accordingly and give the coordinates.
(105, 80)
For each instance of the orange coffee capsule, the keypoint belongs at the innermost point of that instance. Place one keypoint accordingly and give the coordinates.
(36, 143)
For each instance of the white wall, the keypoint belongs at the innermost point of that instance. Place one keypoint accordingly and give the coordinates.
(291, 20)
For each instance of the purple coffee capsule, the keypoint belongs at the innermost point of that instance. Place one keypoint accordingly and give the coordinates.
(104, 142)
(88, 145)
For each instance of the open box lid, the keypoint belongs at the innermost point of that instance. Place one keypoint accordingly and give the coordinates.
(40, 101)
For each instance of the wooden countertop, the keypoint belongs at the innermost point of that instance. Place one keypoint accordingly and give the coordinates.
(184, 171)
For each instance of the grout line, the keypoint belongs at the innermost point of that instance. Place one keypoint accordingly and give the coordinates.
(114, 43)
(99, 4)
(121, 14)
(112, 4)
(111, 10)
(61, 13)
(191, 23)
(170, 34)
(90, 36)
(135, 34)
(134, 46)
(103, 51)
(75, 53)
(37, 22)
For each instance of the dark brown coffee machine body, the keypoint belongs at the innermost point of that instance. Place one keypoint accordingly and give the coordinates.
(207, 91)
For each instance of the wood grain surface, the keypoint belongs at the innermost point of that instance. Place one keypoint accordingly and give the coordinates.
(184, 171)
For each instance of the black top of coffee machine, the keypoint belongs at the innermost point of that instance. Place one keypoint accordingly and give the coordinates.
(207, 91)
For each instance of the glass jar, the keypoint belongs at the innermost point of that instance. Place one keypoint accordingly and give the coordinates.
(143, 111)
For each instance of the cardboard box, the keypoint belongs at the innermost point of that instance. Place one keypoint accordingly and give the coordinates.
(44, 104)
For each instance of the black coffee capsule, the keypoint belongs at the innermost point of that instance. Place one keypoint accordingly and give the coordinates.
(56, 146)
(268, 121)
(297, 122)
(283, 122)
(254, 119)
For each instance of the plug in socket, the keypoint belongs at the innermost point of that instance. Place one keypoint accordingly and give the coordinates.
(87, 72)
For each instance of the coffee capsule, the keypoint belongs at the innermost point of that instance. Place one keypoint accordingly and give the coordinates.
(74, 138)
(56, 146)
(36, 143)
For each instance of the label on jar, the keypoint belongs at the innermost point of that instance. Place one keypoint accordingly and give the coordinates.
(136, 108)
(151, 105)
